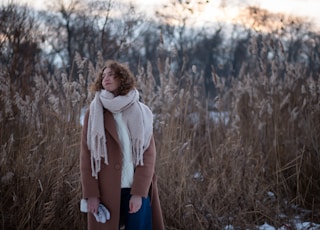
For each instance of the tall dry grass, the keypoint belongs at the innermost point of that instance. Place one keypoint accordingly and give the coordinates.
(256, 161)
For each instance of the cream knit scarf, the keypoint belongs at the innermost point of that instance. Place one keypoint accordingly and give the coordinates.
(136, 116)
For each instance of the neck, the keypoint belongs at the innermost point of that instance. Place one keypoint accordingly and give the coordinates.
(115, 93)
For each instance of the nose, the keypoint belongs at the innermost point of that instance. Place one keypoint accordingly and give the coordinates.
(105, 77)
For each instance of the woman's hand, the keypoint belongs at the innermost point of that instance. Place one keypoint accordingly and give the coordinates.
(93, 204)
(135, 203)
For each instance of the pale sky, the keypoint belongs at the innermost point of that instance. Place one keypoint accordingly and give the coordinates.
(305, 8)
(213, 11)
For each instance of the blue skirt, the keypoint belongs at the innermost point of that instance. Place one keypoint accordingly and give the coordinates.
(141, 220)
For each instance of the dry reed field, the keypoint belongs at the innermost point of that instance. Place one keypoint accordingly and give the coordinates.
(249, 156)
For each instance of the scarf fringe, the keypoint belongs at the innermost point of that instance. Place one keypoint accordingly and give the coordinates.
(100, 147)
(138, 150)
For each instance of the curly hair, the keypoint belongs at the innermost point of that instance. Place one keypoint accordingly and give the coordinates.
(121, 72)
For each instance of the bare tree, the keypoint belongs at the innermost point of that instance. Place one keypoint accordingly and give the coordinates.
(177, 18)
(286, 35)
(88, 27)
(19, 44)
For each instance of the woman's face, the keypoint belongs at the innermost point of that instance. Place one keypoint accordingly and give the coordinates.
(109, 80)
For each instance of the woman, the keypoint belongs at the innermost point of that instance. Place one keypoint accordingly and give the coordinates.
(118, 154)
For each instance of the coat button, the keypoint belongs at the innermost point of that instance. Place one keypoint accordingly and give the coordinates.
(117, 167)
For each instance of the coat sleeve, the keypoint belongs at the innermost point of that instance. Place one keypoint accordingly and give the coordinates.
(90, 186)
(144, 173)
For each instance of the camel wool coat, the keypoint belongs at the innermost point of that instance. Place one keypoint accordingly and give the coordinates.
(108, 185)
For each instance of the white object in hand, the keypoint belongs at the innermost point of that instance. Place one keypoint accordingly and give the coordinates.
(101, 216)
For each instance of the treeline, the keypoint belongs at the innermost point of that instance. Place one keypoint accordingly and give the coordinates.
(40, 42)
